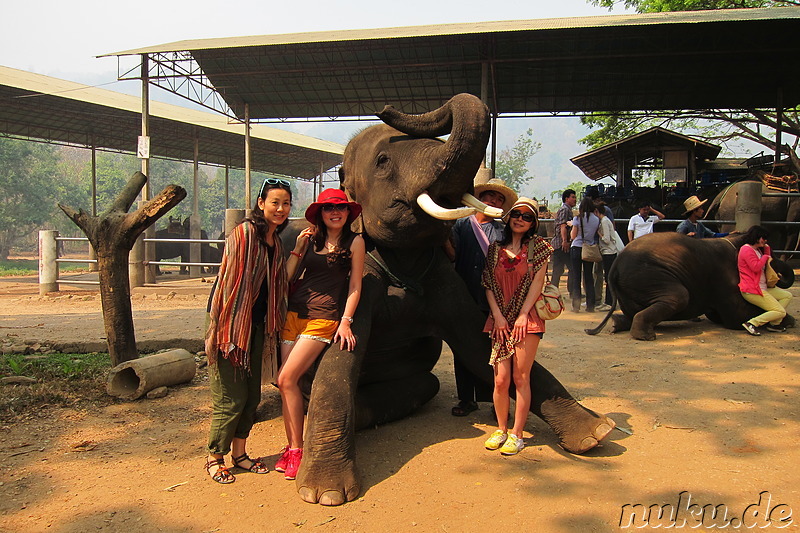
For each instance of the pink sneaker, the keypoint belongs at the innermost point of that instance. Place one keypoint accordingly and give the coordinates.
(294, 456)
(280, 465)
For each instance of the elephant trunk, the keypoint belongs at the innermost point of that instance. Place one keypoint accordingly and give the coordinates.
(466, 118)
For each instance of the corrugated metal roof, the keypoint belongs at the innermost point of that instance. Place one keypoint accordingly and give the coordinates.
(41, 107)
(644, 19)
(721, 59)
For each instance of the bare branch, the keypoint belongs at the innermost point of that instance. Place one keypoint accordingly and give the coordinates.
(128, 195)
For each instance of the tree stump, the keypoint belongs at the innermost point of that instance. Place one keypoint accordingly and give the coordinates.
(133, 379)
(112, 235)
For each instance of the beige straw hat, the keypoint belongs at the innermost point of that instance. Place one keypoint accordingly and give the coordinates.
(692, 203)
(497, 185)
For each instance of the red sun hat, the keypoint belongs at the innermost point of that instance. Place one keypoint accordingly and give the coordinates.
(336, 197)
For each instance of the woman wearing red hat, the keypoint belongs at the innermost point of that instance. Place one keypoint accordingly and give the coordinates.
(321, 307)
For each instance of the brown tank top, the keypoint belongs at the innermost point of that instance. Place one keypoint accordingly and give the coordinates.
(322, 289)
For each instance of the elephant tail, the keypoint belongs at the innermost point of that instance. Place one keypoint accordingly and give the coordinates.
(611, 276)
(599, 328)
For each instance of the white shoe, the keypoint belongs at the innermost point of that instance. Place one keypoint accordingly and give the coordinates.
(496, 440)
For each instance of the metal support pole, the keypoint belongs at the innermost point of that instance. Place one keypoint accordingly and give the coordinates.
(194, 221)
(227, 185)
(92, 252)
(779, 127)
(48, 267)
(247, 204)
(149, 250)
(748, 205)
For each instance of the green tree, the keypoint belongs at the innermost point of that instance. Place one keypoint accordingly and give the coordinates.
(657, 6)
(576, 186)
(27, 195)
(716, 126)
(512, 163)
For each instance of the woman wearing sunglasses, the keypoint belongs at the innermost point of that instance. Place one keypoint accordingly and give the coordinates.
(329, 259)
(247, 309)
(514, 277)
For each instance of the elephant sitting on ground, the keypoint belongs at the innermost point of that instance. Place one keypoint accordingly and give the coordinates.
(669, 276)
(412, 299)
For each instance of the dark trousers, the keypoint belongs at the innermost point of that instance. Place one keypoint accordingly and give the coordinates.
(560, 260)
(579, 265)
(235, 397)
(468, 387)
(608, 260)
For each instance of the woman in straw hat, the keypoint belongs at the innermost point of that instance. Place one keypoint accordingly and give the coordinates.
(471, 237)
(514, 277)
(692, 226)
(321, 305)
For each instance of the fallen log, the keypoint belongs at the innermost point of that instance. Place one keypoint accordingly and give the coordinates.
(133, 379)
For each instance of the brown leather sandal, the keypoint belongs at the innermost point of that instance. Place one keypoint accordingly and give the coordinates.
(222, 475)
(257, 467)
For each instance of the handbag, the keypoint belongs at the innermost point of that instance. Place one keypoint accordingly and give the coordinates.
(772, 277)
(549, 304)
(590, 252)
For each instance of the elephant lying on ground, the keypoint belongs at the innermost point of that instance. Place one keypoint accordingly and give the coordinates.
(669, 276)
(412, 299)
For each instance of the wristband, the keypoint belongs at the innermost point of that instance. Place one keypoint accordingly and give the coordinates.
(348, 318)
(295, 253)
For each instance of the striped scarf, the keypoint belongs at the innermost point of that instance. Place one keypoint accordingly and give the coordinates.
(241, 274)
(539, 250)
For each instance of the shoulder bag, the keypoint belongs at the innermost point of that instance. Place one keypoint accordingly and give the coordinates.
(589, 252)
(772, 277)
(549, 304)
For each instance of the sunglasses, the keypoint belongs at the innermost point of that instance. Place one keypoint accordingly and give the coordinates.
(328, 208)
(527, 217)
(274, 183)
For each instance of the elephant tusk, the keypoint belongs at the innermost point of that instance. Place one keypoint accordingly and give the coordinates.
(443, 213)
(489, 211)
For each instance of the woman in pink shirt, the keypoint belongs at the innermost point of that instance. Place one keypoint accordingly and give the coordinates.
(753, 258)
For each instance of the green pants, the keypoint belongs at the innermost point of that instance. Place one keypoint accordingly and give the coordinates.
(235, 397)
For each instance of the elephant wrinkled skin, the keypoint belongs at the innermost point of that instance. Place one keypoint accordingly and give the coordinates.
(669, 276)
(414, 302)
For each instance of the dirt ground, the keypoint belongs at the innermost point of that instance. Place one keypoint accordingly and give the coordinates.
(703, 411)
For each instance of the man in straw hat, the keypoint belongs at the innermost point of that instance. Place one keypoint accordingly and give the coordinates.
(471, 237)
(692, 226)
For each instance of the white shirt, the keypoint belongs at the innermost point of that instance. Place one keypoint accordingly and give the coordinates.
(640, 226)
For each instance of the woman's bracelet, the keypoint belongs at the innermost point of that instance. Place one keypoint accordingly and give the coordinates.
(295, 253)
(348, 318)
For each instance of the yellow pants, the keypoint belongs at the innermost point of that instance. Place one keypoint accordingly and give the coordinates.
(774, 302)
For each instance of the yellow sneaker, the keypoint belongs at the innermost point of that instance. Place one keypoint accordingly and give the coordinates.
(513, 445)
(496, 440)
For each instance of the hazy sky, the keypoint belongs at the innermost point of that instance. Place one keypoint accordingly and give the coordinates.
(61, 39)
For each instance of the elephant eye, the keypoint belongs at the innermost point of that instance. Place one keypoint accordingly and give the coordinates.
(382, 160)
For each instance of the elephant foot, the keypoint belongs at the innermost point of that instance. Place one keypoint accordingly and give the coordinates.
(319, 483)
(643, 335)
(598, 433)
(620, 323)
